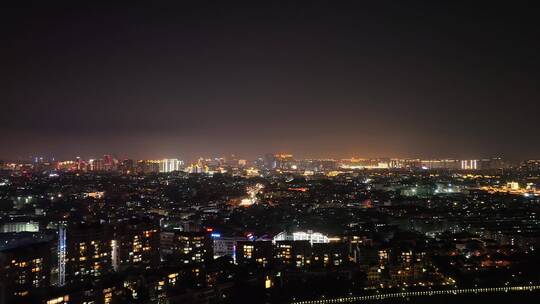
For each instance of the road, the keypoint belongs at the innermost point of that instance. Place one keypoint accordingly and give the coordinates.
(408, 294)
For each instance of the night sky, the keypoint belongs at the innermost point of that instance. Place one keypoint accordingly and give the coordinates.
(313, 78)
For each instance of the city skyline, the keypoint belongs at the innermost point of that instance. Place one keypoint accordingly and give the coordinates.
(317, 78)
(239, 156)
(287, 152)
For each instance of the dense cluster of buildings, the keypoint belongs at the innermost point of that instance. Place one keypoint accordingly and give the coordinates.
(270, 162)
(274, 229)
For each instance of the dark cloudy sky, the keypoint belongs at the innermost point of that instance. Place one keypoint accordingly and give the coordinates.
(315, 78)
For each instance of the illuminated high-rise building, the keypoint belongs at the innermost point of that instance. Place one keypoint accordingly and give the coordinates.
(440, 164)
(293, 253)
(186, 247)
(88, 252)
(148, 166)
(469, 164)
(329, 254)
(109, 162)
(135, 244)
(225, 246)
(97, 165)
(280, 161)
(127, 166)
(170, 165)
(24, 269)
(260, 252)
